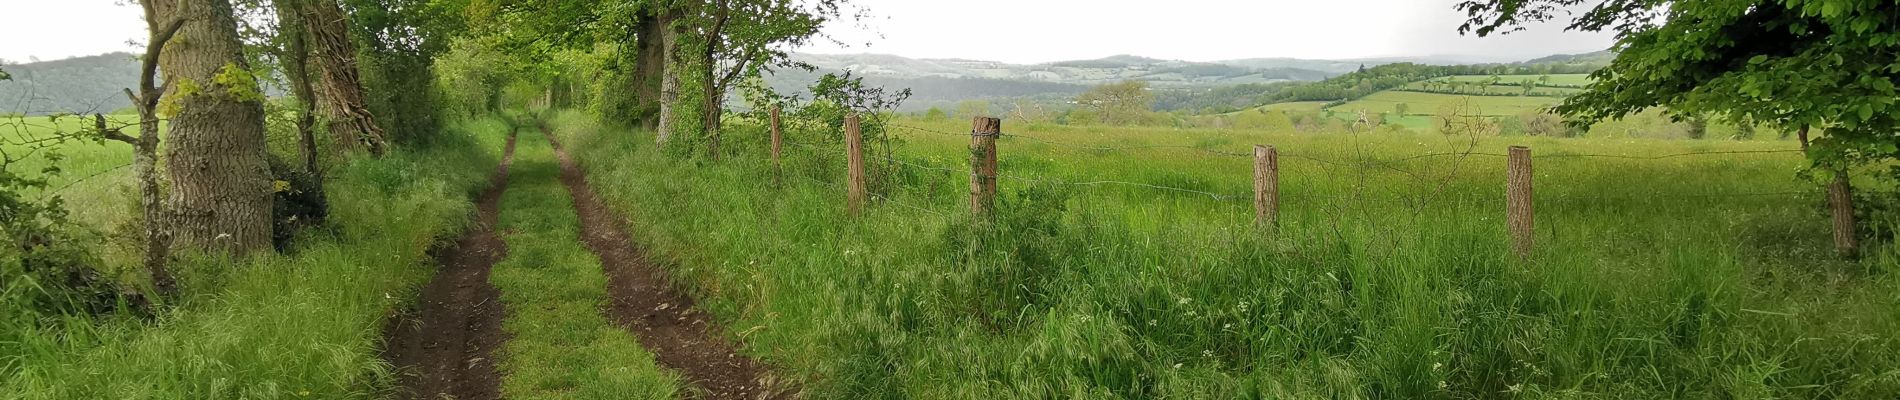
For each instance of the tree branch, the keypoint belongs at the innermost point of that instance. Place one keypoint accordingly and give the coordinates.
(149, 67)
(99, 123)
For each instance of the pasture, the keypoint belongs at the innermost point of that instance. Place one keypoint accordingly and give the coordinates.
(1429, 103)
(1124, 264)
(1555, 79)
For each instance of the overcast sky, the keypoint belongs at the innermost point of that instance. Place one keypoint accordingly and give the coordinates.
(1019, 31)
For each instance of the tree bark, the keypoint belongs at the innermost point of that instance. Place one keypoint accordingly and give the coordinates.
(297, 69)
(1840, 200)
(342, 101)
(669, 82)
(649, 64)
(221, 190)
(709, 81)
(1840, 206)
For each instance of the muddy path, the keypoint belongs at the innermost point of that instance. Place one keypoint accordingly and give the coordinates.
(444, 349)
(644, 301)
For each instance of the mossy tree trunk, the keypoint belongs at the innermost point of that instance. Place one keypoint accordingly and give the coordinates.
(221, 188)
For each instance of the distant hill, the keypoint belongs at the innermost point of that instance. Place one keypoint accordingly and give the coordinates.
(1340, 67)
(1597, 59)
(943, 82)
(1157, 72)
(94, 83)
(82, 84)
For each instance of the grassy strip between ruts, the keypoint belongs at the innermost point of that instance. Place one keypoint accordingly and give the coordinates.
(560, 345)
(305, 324)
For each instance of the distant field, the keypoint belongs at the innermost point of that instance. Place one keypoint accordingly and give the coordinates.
(1296, 106)
(1555, 79)
(95, 178)
(1500, 89)
(1429, 103)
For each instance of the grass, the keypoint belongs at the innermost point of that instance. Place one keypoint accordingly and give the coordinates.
(1296, 106)
(1428, 103)
(560, 346)
(1389, 277)
(1555, 79)
(305, 324)
(95, 178)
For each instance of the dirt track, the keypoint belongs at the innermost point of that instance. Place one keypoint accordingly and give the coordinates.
(644, 301)
(445, 348)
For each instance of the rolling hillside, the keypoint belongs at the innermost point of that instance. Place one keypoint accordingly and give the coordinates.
(82, 84)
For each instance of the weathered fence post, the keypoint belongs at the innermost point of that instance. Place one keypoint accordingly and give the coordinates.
(1519, 214)
(983, 132)
(777, 167)
(1266, 186)
(854, 162)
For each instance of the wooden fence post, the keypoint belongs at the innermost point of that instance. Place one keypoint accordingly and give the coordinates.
(983, 132)
(1266, 186)
(777, 167)
(1519, 214)
(854, 162)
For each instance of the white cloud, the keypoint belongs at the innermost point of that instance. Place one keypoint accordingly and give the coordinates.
(1023, 31)
(56, 29)
(1027, 31)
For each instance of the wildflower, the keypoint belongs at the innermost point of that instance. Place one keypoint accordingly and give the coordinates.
(1183, 301)
(1437, 366)
(1515, 388)
(1207, 353)
(1151, 322)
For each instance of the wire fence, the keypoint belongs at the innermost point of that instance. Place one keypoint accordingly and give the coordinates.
(1389, 165)
(1362, 179)
(1357, 162)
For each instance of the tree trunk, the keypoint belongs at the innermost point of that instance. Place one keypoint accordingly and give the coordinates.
(1840, 201)
(297, 70)
(669, 84)
(1840, 206)
(714, 106)
(649, 64)
(151, 205)
(221, 190)
(342, 100)
(709, 81)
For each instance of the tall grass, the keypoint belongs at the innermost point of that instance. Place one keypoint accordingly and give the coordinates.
(1389, 279)
(560, 345)
(300, 325)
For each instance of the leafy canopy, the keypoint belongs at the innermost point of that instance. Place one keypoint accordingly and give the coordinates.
(1829, 64)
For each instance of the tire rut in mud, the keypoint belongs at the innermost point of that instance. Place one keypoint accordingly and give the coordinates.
(666, 322)
(445, 347)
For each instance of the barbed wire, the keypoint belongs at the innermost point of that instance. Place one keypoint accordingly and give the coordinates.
(1407, 158)
(883, 198)
(1664, 156)
(70, 184)
(1388, 164)
(1215, 196)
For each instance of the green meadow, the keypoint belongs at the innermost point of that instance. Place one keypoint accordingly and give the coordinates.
(1430, 103)
(1124, 263)
(1555, 79)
